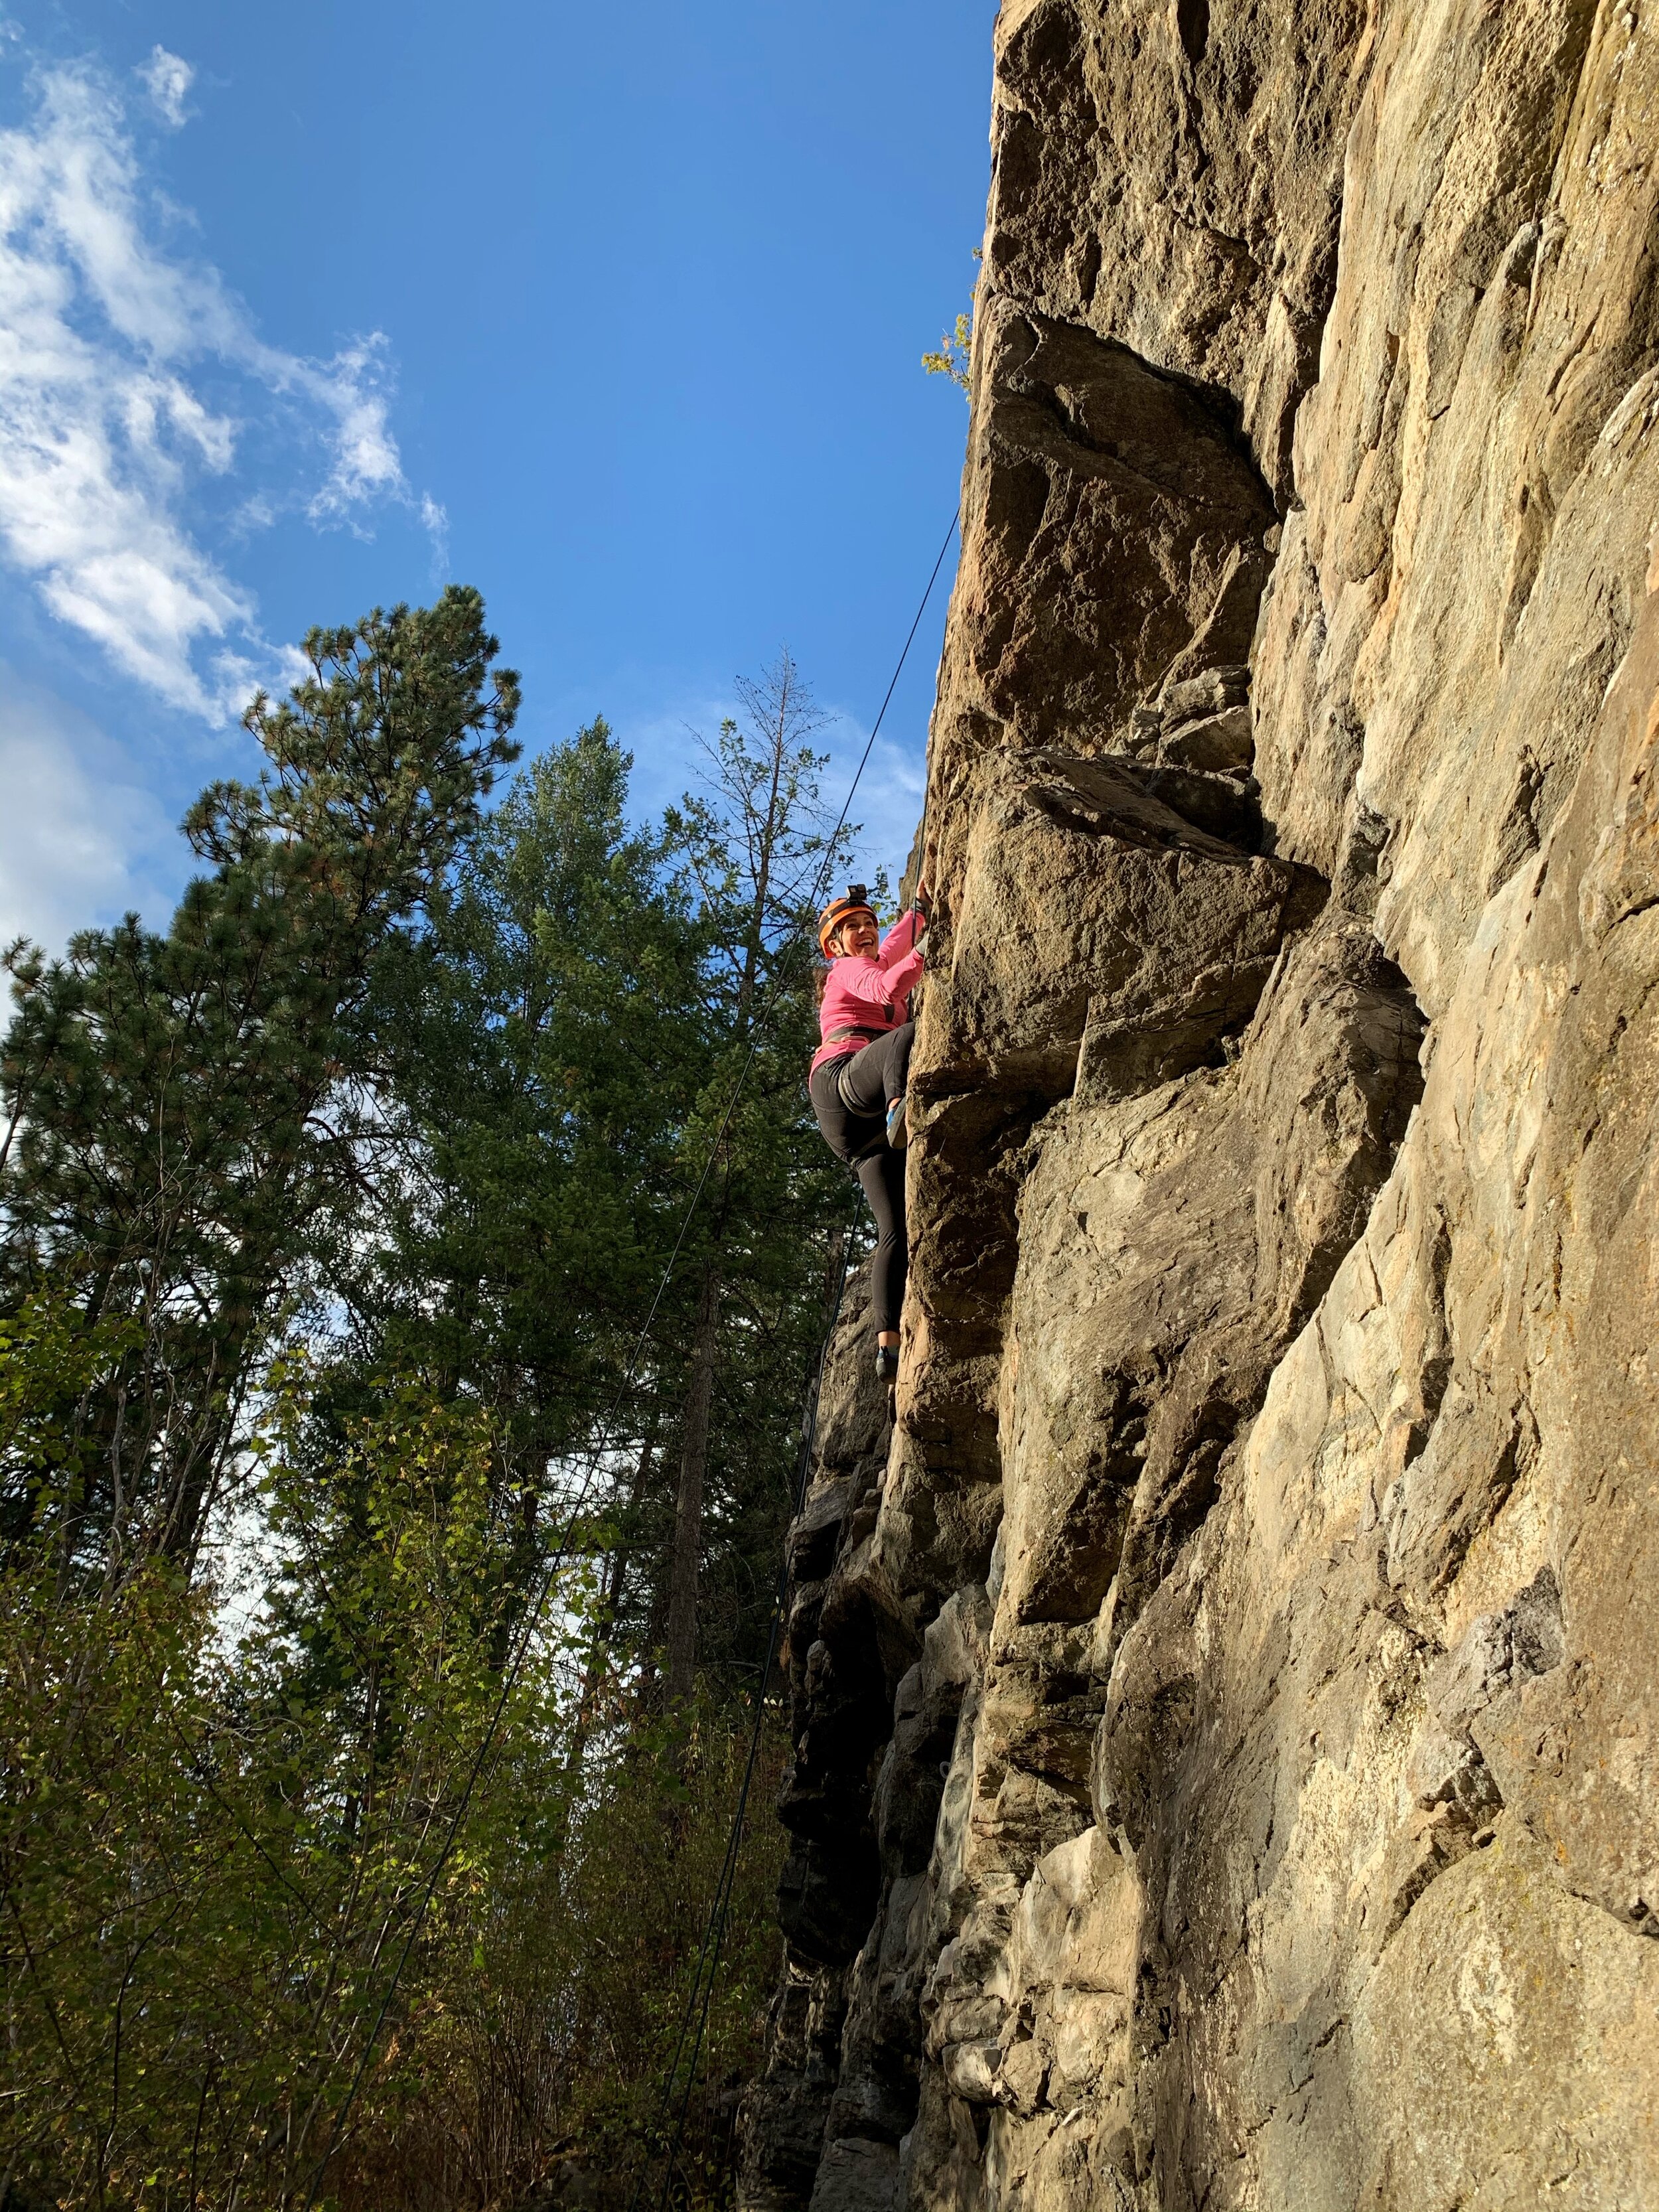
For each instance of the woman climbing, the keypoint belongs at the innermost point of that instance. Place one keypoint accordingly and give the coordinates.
(858, 1078)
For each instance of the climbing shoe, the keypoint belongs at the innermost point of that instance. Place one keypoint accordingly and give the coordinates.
(886, 1362)
(896, 1130)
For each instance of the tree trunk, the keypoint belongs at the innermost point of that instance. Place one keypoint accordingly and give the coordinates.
(616, 1573)
(682, 1640)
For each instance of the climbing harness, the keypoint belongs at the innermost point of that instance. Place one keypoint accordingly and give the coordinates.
(561, 1553)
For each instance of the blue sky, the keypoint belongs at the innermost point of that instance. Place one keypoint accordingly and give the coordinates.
(616, 314)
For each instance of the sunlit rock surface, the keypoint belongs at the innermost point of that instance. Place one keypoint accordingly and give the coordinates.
(1226, 1703)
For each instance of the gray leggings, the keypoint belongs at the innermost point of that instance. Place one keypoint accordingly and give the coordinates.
(849, 1096)
(878, 1073)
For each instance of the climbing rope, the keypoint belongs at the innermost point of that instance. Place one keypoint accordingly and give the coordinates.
(700, 1996)
(561, 1552)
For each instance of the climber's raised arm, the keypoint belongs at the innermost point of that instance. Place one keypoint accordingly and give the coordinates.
(900, 944)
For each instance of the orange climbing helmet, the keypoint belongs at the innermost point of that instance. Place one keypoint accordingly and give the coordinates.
(857, 901)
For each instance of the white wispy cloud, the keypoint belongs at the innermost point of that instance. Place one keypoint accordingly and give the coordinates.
(131, 378)
(167, 80)
(887, 803)
(79, 842)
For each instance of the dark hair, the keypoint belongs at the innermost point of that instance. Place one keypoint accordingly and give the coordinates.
(821, 979)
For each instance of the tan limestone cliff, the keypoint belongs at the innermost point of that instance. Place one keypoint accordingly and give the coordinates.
(1227, 1765)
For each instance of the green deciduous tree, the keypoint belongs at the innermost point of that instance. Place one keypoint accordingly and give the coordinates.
(212, 1854)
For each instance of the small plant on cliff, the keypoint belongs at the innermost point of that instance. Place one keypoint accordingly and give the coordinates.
(955, 351)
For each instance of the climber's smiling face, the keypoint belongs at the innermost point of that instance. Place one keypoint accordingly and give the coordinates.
(858, 934)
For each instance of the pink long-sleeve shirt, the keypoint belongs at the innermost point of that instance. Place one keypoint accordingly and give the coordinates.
(870, 991)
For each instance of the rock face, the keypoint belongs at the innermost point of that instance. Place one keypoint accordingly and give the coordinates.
(1227, 1767)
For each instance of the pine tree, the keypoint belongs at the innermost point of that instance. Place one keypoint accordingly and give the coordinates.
(545, 1036)
(183, 1111)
